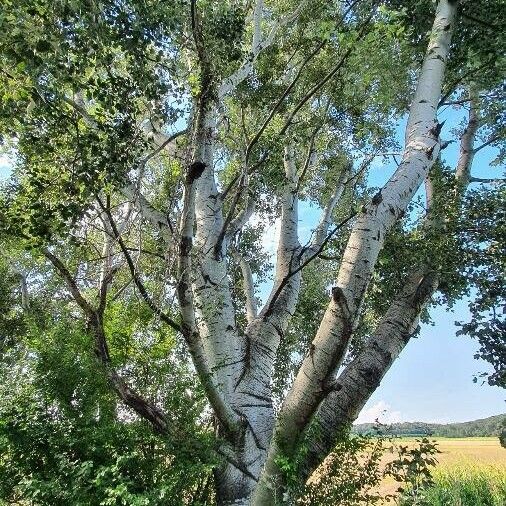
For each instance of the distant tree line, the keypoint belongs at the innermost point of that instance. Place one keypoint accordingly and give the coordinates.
(491, 426)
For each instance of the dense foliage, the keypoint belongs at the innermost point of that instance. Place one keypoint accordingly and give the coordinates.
(155, 150)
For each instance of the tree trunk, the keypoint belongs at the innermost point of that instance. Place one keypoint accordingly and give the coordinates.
(362, 376)
(314, 380)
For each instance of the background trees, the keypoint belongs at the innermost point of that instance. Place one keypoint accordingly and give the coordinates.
(154, 144)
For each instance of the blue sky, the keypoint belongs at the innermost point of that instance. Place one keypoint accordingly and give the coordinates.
(433, 378)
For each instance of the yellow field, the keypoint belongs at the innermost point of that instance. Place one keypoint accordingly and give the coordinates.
(476, 451)
(462, 451)
(457, 454)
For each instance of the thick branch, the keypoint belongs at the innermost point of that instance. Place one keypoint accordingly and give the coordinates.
(358, 381)
(227, 417)
(326, 219)
(243, 217)
(466, 155)
(25, 298)
(95, 320)
(367, 237)
(148, 212)
(286, 287)
(248, 286)
(349, 393)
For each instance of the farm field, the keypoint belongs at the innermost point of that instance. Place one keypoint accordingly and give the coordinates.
(459, 451)
(466, 459)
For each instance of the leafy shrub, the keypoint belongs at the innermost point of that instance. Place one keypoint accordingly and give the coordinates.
(351, 475)
(502, 435)
(412, 468)
(47, 458)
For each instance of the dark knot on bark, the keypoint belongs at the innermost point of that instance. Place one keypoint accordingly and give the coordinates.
(195, 170)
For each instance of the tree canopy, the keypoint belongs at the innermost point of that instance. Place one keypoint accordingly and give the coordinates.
(154, 147)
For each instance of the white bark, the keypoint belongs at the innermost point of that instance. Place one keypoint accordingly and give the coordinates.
(248, 287)
(313, 381)
(362, 376)
(191, 285)
(252, 390)
(253, 394)
(242, 218)
(23, 285)
(214, 308)
(148, 212)
(25, 299)
(466, 154)
(321, 231)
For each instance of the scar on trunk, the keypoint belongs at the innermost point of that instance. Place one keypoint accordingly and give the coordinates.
(377, 199)
(195, 171)
(340, 299)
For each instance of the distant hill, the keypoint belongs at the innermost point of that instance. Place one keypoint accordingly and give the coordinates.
(490, 426)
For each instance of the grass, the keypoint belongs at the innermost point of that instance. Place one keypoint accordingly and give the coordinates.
(470, 472)
(485, 450)
(467, 485)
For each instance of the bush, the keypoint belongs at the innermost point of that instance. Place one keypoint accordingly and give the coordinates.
(352, 474)
(502, 435)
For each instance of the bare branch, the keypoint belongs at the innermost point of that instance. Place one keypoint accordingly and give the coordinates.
(137, 280)
(453, 86)
(281, 99)
(306, 262)
(95, 320)
(243, 217)
(311, 154)
(326, 218)
(487, 180)
(148, 212)
(169, 140)
(490, 141)
(318, 86)
(70, 282)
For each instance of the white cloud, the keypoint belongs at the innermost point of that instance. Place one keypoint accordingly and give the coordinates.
(5, 161)
(380, 411)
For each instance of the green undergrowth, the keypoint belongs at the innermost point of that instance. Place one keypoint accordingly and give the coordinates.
(469, 485)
